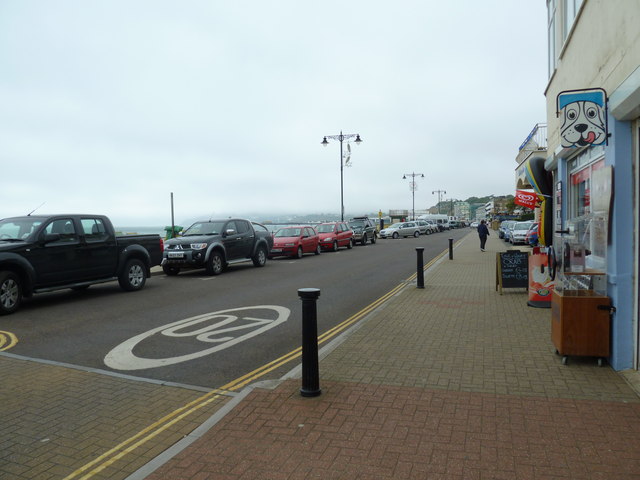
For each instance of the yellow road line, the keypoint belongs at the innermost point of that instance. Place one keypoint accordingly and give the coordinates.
(7, 340)
(127, 446)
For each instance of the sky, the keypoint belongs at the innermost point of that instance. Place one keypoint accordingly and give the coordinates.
(112, 106)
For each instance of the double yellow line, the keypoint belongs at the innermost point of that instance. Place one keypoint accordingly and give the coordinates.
(124, 448)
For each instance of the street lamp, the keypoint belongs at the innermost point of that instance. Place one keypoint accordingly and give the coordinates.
(341, 138)
(413, 186)
(440, 193)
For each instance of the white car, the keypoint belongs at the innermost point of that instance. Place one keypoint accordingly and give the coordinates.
(401, 229)
(474, 225)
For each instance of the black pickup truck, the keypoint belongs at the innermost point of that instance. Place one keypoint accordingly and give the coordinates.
(51, 252)
(215, 244)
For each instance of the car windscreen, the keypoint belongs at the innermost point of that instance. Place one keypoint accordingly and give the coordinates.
(326, 228)
(18, 228)
(204, 228)
(288, 232)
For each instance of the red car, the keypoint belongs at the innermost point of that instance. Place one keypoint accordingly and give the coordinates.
(295, 242)
(334, 235)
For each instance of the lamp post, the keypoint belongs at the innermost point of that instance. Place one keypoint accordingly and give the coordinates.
(413, 187)
(440, 193)
(341, 138)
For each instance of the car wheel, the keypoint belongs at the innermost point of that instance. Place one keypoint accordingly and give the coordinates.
(10, 293)
(260, 258)
(350, 244)
(318, 250)
(416, 234)
(373, 238)
(395, 235)
(134, 276)
(364, 239)
(171, 271)
(299, 253)
(215, 264)
(335, 246)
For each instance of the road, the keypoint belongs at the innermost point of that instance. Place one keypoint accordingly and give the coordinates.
(206, 331)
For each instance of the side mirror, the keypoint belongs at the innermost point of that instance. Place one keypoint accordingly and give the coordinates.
(230, 231)
(51, 237)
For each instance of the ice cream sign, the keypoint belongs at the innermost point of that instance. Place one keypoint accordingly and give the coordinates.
(583, 114)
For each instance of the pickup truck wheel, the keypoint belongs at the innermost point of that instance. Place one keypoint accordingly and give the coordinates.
(260, 258)
(134, 276)
(215, 264)
(10, 293)
(364, 239)
(171, 271)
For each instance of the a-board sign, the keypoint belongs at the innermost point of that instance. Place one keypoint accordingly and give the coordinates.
(512, 269)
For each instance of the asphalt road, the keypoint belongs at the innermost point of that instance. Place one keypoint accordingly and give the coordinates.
(208, 331)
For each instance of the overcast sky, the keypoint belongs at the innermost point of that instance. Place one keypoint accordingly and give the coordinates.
(109, 106)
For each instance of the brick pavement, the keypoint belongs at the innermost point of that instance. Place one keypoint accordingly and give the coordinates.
(453, 381)
(56, 419)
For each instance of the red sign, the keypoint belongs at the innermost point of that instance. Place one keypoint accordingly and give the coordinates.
(526, 199)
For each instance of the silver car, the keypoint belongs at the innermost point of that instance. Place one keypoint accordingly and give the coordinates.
(400, 229)
(519, 232)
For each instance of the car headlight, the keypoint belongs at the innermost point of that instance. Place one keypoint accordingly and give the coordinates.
(198, 246)
(327, 239)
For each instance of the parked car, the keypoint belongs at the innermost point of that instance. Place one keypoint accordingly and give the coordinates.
(474, 225)
(508, 231)
(216, 244)
(424, 227)
(531, 237)
(504, 228)
(43, 253)
(433, 226)
(364, 230)
(519, 232)
(400, 229)
(295, 242)
(334, 235)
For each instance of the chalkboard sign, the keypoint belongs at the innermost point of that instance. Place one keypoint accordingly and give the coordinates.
(512, 269)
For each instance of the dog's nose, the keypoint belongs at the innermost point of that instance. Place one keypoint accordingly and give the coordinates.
(581, 127)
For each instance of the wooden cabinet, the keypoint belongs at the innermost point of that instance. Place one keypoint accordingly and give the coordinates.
(580, 324)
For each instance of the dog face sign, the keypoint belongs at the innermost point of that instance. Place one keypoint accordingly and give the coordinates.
(584, 118)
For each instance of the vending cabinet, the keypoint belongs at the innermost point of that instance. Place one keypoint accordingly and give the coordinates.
(580, 318)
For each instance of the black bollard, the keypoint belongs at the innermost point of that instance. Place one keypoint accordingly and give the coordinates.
(451, 249)
(420, 267)
(310, 371)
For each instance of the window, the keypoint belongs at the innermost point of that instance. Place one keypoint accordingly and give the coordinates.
(570, 11)
(94, 230)
(242, 226)
(63, 227)
(581, 189)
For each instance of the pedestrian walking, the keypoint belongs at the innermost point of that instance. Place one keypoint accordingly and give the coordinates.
(483, 233)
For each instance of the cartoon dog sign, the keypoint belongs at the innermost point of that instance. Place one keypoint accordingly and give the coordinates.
(584, 118)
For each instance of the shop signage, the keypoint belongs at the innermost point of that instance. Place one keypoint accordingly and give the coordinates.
(583, 114)
(525, 199)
